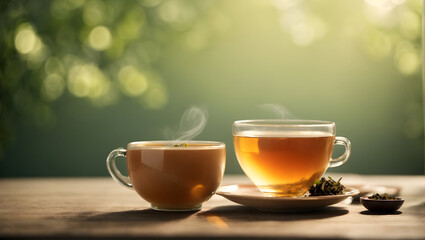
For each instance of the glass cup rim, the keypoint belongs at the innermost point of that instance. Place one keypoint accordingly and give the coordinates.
(282, 123)
(169, 144)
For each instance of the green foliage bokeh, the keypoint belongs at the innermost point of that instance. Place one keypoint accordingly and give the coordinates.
(67, 64)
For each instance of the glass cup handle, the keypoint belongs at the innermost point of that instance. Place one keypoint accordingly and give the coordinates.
(113, 170)
(344, 157)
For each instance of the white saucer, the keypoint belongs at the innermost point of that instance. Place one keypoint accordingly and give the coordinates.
(249, 195)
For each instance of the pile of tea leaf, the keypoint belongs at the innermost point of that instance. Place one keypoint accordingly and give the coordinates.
(385, 196)
(326, 187)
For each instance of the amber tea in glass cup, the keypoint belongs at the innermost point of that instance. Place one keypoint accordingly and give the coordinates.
(170, 175)
(285, 157)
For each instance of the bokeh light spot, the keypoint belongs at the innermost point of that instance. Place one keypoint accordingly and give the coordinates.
(384, 5)
(304, 29)
(302, 34)
(30, 45)
(169, 11)
(407, 58)
(156, 98)
(132, 82)
(54, 65)
(407, 62)
(178, 14)
(94, 12)
(87, 81)
(52, 87)
(410, 24)
(26, 40)
(100, 38)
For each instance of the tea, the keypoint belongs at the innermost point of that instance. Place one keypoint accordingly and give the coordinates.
(175, 177)
(284, 163)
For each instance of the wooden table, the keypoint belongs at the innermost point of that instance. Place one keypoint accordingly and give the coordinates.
(100, 208)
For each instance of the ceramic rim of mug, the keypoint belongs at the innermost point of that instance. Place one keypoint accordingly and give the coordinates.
(169, 145)
(283, 123)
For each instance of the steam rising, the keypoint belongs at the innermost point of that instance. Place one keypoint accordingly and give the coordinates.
(195, 118)
(191, 125)
(280, 111)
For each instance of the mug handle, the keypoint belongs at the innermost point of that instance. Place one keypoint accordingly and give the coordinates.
(113, 170)
(344, 157)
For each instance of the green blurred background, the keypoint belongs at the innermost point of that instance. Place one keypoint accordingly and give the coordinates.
(80, 78)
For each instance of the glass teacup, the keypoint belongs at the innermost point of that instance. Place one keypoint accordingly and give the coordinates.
(285, 157)
(172, 176)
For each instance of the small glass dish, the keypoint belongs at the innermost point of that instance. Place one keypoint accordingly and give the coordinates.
(382, 205)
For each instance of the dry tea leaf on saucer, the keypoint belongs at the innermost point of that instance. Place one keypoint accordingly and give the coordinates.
(326, 187)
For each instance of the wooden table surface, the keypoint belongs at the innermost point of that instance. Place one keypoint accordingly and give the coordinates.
(100, 208)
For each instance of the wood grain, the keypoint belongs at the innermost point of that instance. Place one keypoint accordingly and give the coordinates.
(99, 207)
